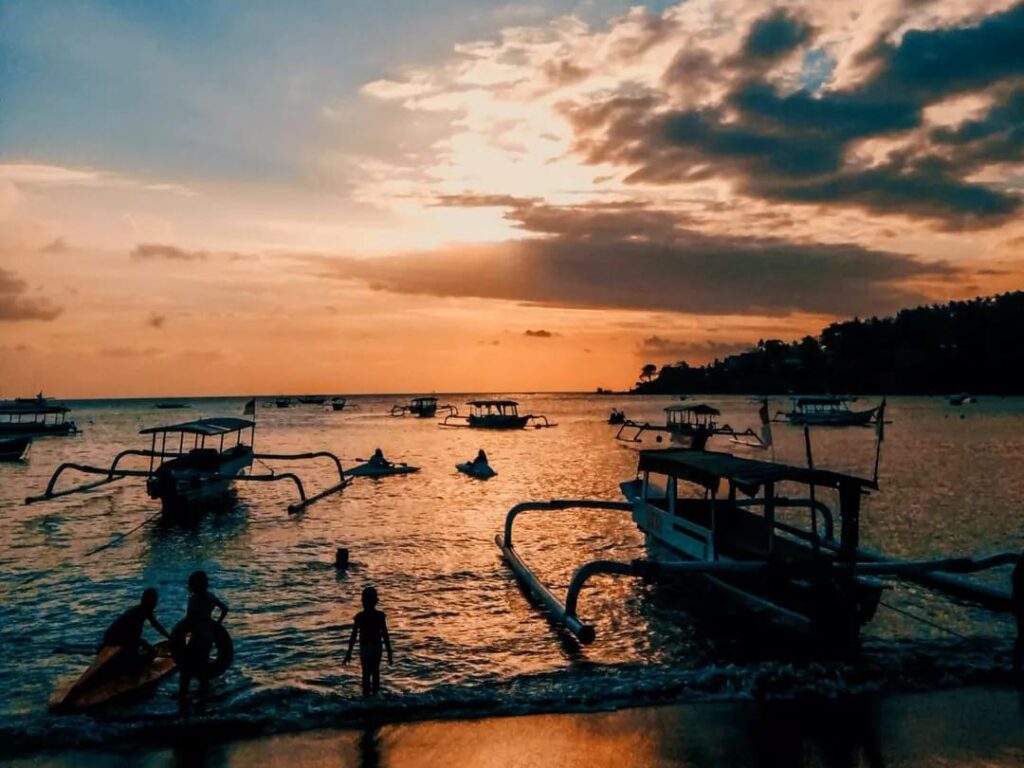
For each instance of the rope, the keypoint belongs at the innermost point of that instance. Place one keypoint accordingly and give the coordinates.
(923, 620)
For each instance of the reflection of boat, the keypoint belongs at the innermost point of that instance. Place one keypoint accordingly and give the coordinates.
(423, 407)
(103, 682)
(14, 448)
(211, 454)
(962, 399)
(496, 414)
(690, 426)
(170, 406)
(828, 411)
(749, 548)
(34, 416)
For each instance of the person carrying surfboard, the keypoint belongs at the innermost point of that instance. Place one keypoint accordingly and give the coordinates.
(371, 628)
(126, 630)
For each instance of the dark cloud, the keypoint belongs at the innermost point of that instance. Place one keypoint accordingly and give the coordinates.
(150, 251)
(16, 305)
(796, 146)
(156, 321)
(650, 31)
(540, 334)
(564, 72)
(773, 36)
(663, 349)
(615, 258)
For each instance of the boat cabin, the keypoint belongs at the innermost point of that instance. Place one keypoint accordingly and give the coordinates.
(821, 405)
(503, 408)
(698, 416)
(34, 416)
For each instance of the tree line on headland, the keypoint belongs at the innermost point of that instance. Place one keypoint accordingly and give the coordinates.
(972, 346)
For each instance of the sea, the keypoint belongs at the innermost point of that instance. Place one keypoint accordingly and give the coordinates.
(467, 642)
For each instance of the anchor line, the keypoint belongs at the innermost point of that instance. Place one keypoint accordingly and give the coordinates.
(923, 620)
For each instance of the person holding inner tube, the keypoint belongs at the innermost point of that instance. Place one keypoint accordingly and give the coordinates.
(203, 631)
(371, 628)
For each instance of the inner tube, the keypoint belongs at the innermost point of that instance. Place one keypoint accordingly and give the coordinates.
(202, 669)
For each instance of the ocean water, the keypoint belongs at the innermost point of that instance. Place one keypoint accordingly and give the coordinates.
(466, 640)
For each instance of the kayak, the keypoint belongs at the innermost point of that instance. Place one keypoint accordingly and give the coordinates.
(478, 470)
(98, 685)
(373, 470)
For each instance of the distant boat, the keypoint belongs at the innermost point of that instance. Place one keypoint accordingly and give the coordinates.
(283, 402)
(496, 414)
(28, 416)
(313, 399)
(14, 448)
(170, 406)
(962, 398)
(617, 416)
(425, 407)
(828, 411)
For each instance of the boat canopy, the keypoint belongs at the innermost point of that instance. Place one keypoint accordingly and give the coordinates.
(495, 403)
(205, 427)
(31, 406)
(707, 468)
(425, 399)
(803, 400)
(699, 409)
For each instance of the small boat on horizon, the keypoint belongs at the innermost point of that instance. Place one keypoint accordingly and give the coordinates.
(963, 398)
(170, 406)
(425, 407)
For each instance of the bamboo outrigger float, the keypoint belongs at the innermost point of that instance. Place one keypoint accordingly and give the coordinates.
(799, 578)
(35, 417)
(690, 426)
(496, 414)
(190, 476)
(425, 407)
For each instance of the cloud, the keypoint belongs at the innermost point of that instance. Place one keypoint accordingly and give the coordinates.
(156, 321)
(631, 257)
(128, 353)
(15, 305)
(660, 348)
(539, 334)
(801, 146)
(57, 245)
(152, 251)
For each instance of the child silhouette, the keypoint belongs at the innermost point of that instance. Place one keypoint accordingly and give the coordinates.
(370, 626)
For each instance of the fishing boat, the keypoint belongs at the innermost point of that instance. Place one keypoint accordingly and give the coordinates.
(313, 399)
(963, 398)
(496, 414)
(617, 416)
(170, 406)
(749, 548)
(425, 407)
(34, 416)
(283, 402)
(341, 404)
(691, 426)
(14, 448)
(828, 411)
(193, 465)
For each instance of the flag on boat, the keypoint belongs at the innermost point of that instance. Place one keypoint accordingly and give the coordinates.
(250, 408)
(766, 424)
(880, 422)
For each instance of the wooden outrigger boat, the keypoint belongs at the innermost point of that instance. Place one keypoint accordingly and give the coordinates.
(828, 411)
(747, 548)
(34, 417)
(423, 407)
(210, 455)
(690, 426)
(341, 404)
(496, 414)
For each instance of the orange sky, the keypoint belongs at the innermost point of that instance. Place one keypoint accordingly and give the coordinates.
(638, 186)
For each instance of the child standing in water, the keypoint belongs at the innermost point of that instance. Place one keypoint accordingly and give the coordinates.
(370, 626)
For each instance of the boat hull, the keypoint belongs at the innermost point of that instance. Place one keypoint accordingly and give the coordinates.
(29, 429)
(15, 448)
(846, 419)
(423, 411)
(197, 481)
(100, 684)
(497, 422)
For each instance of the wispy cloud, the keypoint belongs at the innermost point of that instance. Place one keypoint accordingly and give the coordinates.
(17, 304)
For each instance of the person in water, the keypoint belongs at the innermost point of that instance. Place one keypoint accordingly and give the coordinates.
(200, 624)
(378, 460)
(126, 631)
(481, 457)
(371, 628)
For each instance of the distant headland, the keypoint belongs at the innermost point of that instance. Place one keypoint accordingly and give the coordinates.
(963, 346)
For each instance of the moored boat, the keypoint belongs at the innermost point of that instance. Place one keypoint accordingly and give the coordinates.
(828, 411)
(35, 416)
(425, 407)
(691, 426)
(496, 414)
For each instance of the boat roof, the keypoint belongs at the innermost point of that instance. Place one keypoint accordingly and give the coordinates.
(220, 425)
(699, 408)
(820, 400)
(493, 402)
(31, 405)
(707, 468)
(423, 399)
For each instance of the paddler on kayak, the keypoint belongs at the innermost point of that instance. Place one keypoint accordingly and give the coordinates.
(126, 631)
(481, 459)
(378, 460)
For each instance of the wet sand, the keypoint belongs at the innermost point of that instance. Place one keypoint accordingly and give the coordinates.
(962, 727)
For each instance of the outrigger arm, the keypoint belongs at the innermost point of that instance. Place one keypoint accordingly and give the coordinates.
(113, 474)
(303, 503)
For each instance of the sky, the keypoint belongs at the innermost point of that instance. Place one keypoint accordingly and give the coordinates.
(229, 197)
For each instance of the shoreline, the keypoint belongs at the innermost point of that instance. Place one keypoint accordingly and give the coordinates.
(963, 726)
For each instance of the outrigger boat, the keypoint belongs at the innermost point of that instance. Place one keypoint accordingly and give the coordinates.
(34, 416)
(496, 414)
(341, 404)
(963, 398)
(747, 548)
(828, 411)
(423, 407)
(690, 426)
(210, 456)
(313, 399)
